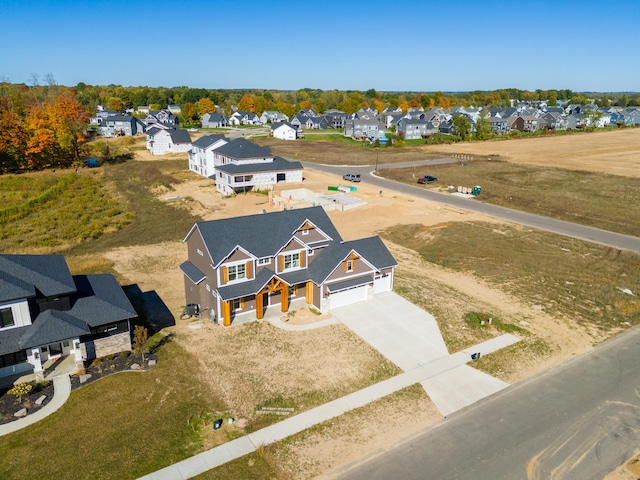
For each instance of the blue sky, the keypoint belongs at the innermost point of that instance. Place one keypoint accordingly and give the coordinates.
(588, 45)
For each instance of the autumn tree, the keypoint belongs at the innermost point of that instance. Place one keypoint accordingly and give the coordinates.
(404, 106)
(246, 104)
(13, 140)
(462, 126)
(205, 105)
(378, 105)
(260, 105)
(188, 114)
(140, 339)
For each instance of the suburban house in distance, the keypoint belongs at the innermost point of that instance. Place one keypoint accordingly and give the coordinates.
(121, 126)
(214, 120)
(240, 166)
(240, 266)
(161, 141)
(46, 313)
(284, 131)
(201, 154)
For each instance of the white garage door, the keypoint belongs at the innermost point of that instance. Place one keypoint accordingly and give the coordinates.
(347, 297)
(382, 283)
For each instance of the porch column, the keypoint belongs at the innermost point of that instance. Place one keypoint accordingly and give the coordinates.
(226, 313)
(284, 295)
(309, 293)
(259, 306)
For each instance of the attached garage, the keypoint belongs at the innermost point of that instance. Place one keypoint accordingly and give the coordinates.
(382, 282)
(346, 293)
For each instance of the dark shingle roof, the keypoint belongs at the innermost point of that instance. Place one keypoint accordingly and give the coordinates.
(278, 164)
(371, 249)
(12, 288)
(208, 140)
(10, 339)
(191, 271)
(262, 234)
(53, 326)
(49, 275)
(242, 148)
(180, 136)
(100, 300)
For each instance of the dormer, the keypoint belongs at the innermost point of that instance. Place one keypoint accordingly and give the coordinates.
(311, 235)
(238, 267)
(293, 256)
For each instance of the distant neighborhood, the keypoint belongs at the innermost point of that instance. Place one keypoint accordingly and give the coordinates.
(369, 123)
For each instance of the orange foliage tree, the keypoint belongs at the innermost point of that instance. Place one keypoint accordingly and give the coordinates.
(13, 140)
(245, 104)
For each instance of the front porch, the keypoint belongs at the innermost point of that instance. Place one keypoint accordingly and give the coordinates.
(275, 295)
(65, 365)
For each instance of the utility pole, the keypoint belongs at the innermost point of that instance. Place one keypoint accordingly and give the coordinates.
(377, 155)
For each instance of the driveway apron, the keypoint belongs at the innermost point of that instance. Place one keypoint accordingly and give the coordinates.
(404, 333)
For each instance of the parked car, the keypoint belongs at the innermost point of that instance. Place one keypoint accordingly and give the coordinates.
(427, 179)
(352, 177)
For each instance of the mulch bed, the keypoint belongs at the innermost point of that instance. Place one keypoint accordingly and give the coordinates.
(9, 404)
(109, 365)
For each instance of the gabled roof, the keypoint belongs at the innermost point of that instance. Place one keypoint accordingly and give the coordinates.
(261, 234)
(242, 148)
(100, 300)
(278, 164)
(48, 274)
(53, 326)
(179, 136)
(208, 140)
(371, 249)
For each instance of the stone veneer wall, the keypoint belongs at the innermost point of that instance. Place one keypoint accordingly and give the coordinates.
(106, 346)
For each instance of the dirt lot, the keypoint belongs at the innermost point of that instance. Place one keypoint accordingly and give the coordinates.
(616, 152)
(156, 268)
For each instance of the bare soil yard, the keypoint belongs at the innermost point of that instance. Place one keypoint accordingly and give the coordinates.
(250, 366)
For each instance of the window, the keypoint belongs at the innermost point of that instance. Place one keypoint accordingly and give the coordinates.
(305, 232)
(238, 179)
(237, 272)
(264, 261)
(237, 304)
(310, 252)
(349, 266)
(292, 261)
(6, 318)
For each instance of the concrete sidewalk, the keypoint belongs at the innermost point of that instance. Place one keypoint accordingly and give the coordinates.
(249, 443)
(61, 392)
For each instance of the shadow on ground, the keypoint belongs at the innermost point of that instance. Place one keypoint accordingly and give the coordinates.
(152, 311)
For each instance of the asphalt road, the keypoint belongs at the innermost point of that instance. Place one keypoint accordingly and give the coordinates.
(590, 234)
(580, 420)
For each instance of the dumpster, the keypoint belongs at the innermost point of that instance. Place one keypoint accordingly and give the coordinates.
(476, 190)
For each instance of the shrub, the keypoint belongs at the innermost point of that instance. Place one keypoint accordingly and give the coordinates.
(20, 390)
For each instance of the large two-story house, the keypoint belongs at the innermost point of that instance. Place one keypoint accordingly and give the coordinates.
(46, 313)
(201, 154)
(241, 266)
(241, 166)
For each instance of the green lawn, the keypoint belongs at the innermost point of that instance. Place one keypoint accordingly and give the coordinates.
(123, 426)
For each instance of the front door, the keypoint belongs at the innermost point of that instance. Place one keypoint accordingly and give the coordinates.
(55, 350)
